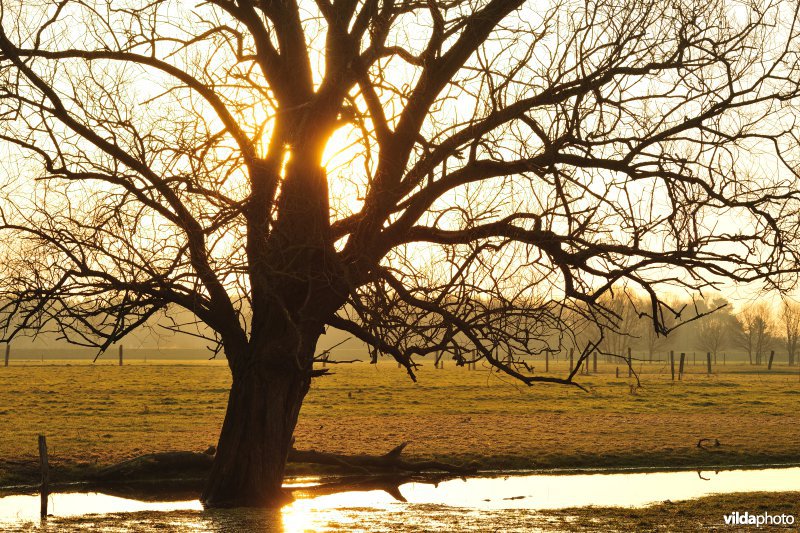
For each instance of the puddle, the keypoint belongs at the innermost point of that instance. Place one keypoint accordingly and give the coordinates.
(477, 499)
(80, 503)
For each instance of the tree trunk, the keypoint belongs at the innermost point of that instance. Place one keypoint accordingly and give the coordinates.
(256, 437)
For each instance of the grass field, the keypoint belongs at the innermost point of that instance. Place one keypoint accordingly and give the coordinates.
(99, 414)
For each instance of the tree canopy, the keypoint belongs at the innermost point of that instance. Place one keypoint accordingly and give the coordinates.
(463, 176)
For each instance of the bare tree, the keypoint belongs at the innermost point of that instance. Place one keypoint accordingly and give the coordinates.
(790, 322)
(626, 308)
(756, 329)
(655, 340)
(493, 167)
(712, 333)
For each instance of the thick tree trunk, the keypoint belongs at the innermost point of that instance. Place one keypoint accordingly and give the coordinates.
(256, 436)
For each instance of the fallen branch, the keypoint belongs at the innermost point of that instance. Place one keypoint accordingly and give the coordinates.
(164, 465)
(368, 463)
(702, 443)
(196, 465)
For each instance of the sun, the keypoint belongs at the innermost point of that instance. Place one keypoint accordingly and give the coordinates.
(348, 163)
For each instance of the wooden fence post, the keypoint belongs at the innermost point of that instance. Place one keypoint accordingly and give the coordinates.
(617, 372)
(672, 363)
(45, 468)
(680, 368)
(708, 356)
(120, 355)
(594, 362)
(571, 360)
(771, 357)
(8, 352)
(546, 361)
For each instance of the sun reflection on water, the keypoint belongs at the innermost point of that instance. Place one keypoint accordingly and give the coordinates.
(342, 509)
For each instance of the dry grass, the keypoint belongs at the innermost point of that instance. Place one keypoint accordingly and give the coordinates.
(101, 414)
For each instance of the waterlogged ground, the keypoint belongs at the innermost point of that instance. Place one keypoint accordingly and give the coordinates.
(413, 518)
(96, 415)
(621, 501)
(701, 515)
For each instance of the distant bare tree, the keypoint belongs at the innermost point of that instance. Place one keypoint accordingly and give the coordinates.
(790, 322)
(713, 333)
(655, 340)
(756, 329)
(628, 326)
(460, 177)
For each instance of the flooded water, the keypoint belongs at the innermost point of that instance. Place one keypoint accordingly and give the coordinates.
(505, 502)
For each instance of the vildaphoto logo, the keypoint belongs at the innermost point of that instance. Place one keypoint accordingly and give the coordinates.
(758, 520)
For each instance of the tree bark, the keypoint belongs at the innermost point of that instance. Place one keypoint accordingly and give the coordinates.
(256, 437)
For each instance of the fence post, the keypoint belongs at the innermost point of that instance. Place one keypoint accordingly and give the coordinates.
(708, 356)
(618, 372)
(571, 361)
(546, 361)
(8, 352)
(120, 355)
(45, 468)
(594, 362)
(672, 363)
(680, 368)
(771, 356)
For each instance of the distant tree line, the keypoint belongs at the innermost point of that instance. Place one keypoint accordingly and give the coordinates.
(709, 325)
